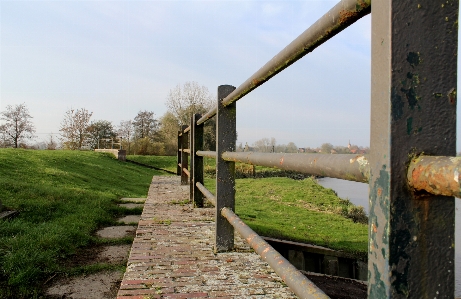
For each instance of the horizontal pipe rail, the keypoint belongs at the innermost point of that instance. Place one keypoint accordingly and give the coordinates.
(179, 164)
(186, 150)
(208, 154)
(296, 281)
(186, 171)
(187, 129)
(341, 16)
(436, 175)
(211, 198)
(342, 166)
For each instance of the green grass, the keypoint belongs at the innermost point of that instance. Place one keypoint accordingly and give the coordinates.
(65, 196)
(298, 210)
(164, 162)
(62, 197)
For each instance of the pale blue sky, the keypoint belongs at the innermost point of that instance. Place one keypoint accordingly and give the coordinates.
(115, 58)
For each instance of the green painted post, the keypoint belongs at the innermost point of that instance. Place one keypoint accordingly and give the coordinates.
(413, 111)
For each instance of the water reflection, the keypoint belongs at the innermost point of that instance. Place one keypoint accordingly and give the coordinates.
(357, 193)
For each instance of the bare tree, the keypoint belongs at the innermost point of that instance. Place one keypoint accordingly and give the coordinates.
(265, 145)
(191, 98)
(18, 125)
(182, 102)
(74, 128)
(326, 148)
(125, 131)
(51, 144)
(291, 148)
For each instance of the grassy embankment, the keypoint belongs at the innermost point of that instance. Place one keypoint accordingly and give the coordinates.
(299, 210)
(63, 197)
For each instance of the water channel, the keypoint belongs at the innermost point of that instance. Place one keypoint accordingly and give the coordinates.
(357, 193)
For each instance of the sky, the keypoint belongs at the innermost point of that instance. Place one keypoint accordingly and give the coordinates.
(116, 58)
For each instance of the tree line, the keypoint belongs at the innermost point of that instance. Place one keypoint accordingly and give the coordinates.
(145, 134)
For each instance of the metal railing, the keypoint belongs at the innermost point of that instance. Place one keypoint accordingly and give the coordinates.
(411, 169)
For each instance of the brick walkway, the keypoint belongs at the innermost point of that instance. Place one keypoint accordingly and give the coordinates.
(172, 254)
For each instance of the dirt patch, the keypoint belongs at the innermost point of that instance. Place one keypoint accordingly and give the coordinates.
(102, 285)
(116, 254)
(95, 286)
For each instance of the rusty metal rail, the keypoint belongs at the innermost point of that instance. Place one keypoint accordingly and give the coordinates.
(436, 175)
(186, 171)
(297, 282)
(341, 16)
(344, 166)
(411, 223)
(208, 195)
(208, 154)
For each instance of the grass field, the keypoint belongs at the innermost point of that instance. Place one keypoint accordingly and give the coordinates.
(62, 197)
(65, 196)
(162, 162)
(298, 210)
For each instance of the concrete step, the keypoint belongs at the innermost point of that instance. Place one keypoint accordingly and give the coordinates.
(130, 219)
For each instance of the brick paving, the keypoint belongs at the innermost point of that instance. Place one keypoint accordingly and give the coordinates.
(172, 254)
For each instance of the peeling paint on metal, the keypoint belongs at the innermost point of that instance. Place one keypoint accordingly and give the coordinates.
(436, 175)
(452, 96)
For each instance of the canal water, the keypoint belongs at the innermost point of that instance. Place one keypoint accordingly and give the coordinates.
(357, 193)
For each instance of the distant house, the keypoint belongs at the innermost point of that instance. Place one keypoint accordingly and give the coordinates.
(301, 150)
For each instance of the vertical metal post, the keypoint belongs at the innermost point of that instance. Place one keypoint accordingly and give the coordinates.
(184, 159)
(413, 110)
(226, 136)
(178, 168)
(197, 169)
(192, 157)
